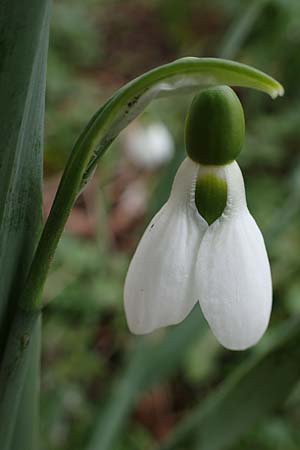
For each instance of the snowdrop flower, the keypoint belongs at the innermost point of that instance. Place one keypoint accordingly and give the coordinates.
(203, 245)
(149, 147)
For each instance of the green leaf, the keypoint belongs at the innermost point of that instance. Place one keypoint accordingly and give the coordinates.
(241, 28)
(22, 84)
(153, 359)
(23, 50)
(255, 388)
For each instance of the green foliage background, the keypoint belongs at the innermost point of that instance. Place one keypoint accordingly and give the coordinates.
(93, 370)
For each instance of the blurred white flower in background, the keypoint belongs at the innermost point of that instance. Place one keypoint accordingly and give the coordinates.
(149, 146)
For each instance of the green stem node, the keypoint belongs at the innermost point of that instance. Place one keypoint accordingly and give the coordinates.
(215, 127)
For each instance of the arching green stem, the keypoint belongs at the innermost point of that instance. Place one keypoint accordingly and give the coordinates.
(182, 76)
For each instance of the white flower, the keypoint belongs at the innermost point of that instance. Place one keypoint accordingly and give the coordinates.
(149, 147)
(181, 260)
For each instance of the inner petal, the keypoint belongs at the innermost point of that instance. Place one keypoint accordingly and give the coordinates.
(211, 193)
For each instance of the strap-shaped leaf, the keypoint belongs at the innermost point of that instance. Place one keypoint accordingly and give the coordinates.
(23, 49)
(22, 85)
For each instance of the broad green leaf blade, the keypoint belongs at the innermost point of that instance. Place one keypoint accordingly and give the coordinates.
(24, 40)
(151, 362)
(22, 84)
(254, 389)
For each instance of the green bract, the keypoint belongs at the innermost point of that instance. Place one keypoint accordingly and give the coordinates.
(215, 126)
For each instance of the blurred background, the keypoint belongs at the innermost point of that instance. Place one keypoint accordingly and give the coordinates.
(101, 386)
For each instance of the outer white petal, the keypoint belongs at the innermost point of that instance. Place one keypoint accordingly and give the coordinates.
(233, 278)
(158, 289)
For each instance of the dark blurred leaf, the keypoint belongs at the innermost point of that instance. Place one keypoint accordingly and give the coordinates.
(253, 390)
(238, 32)
(153, 359)
(23, 50)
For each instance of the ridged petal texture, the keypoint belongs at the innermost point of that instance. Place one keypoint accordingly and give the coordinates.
(159, 288)
(232, 277)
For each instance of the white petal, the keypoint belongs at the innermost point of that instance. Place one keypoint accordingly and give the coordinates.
(158, 290)
(233, 278)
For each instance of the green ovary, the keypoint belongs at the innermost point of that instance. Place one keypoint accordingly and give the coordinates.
(210, 196)
(215, 127)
